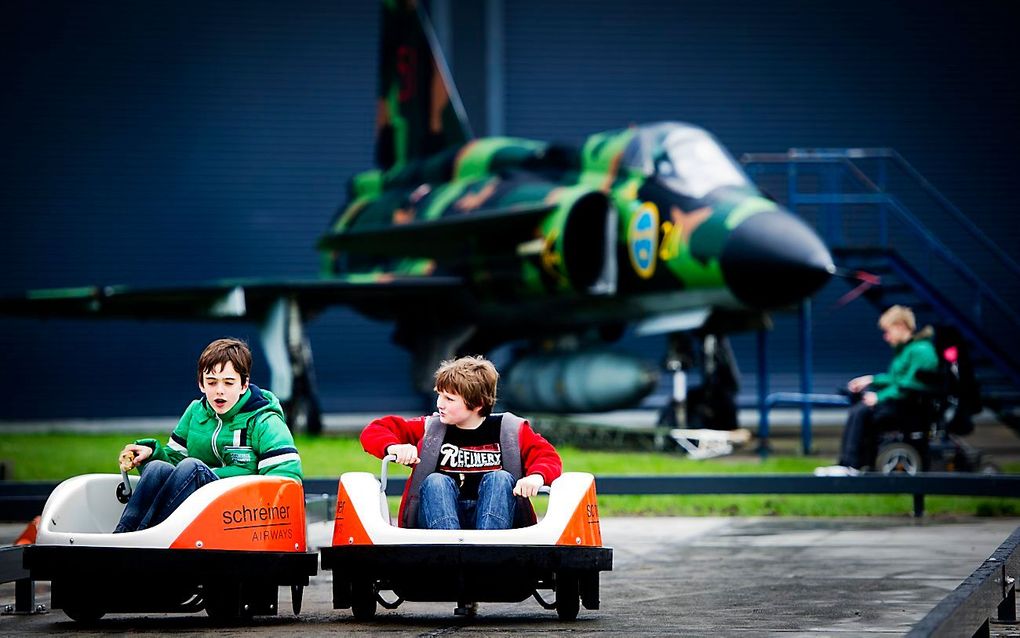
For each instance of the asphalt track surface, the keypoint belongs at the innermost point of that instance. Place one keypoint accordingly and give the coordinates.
(672, 576)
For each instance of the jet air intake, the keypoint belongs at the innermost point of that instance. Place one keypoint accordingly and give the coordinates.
(773, 259)
(575, 247)
(595, 380)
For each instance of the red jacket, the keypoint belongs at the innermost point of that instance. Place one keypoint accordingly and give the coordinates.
(538, 456)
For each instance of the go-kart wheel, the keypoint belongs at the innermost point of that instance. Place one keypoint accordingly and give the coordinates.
(568, 596)
(223, 603)
(897, 458)
(219, 611)
(588, 583)
(84, 613)
(296, 595)
(363, 601)
(79, 601)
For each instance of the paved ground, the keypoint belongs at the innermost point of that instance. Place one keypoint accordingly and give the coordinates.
(672, 576)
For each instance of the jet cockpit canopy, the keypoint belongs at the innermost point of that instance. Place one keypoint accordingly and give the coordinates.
(684, 158)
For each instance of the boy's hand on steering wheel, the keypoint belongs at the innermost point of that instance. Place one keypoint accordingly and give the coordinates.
(133, 455)
(529, 485)
(406, 453)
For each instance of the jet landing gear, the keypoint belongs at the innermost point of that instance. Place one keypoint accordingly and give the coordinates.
(290, 364)
(701, 420)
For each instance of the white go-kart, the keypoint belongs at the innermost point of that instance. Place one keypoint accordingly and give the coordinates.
(226, 549)
(562, 553)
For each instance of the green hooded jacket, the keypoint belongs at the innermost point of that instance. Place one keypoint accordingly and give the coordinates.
(252, 438)
(912, 357)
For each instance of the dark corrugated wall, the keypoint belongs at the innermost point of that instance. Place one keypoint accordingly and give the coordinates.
(178, 141)
(158, 142)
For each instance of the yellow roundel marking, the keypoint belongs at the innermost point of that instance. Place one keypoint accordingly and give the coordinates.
(643, 239)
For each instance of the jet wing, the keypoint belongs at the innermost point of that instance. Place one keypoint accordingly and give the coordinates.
(444, 237)
(229, 299)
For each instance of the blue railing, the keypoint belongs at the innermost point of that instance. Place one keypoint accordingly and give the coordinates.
(864, 190)
(847, 155)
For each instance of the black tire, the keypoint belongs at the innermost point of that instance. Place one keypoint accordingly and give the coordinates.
(341, 593)
(84, 615)
(296, 595)
(223, 603)
(898, 458)
(84, 607)
(568, 597)
(363, 600)
(589, 587)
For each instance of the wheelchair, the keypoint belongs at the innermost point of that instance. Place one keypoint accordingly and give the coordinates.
(932, 442)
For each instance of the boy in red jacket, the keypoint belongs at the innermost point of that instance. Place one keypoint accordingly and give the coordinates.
(472, 469)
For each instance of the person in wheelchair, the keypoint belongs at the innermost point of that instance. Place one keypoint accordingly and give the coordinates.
(935, 443)
(898, 399)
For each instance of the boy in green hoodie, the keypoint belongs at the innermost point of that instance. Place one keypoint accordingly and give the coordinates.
(236, 429)
(886, 399)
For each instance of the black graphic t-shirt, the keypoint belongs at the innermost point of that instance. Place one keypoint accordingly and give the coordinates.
(467, 455)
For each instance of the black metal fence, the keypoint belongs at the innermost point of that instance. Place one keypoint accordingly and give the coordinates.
(918, 486)
(20, 501)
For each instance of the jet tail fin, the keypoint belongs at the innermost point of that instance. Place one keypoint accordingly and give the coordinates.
(418, 111)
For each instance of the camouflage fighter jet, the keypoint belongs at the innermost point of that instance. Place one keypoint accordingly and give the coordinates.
(469, 243)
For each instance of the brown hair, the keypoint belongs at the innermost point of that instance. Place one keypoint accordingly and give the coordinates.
(219, 352)
(472, 378)
(898, 314)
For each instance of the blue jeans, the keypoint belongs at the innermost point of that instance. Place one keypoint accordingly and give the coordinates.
(442, 508)
(160, 491)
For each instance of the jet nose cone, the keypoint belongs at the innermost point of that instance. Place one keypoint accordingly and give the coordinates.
(774, 259)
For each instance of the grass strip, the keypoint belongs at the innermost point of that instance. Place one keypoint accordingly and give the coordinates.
(57, 456)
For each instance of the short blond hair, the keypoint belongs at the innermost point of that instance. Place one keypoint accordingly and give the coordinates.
(898, 314)
(474, 379)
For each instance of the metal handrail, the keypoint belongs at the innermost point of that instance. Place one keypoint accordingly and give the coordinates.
(1004, 363)
(957, 213)
(822, 155)
(949, 257)
(936, 247)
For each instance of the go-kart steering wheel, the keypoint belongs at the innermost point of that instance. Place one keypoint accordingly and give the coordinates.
(124, 487)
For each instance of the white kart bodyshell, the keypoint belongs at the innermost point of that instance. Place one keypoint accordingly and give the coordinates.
(84, 510)
(567, 493)
(562, 552)
(227, 548)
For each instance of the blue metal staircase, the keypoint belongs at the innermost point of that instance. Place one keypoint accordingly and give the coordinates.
(868, 204)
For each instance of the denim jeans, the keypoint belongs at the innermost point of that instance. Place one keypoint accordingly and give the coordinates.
(441, 508)
(160, 491)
